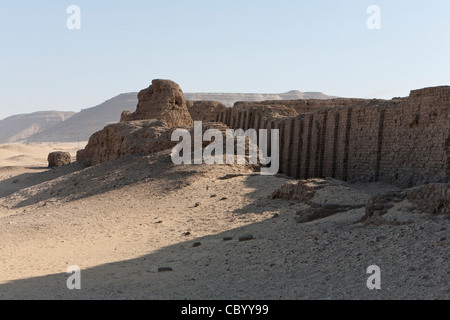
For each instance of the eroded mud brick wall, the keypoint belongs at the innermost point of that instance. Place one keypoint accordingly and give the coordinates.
(416, 138)
(302, 106)
(401, 141)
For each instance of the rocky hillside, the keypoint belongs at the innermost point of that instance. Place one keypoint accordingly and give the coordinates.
(21, 127)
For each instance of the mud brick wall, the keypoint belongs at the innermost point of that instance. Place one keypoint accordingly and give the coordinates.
(404, 141)
(363, 147)
(302, 106)
(331, 143)
(416, 139)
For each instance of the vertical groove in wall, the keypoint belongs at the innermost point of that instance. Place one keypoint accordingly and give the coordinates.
(322, 144)
(447, 152)
(232, 120)
(291, 147)
(256, 121)
(282, 145)
(251, 120)
(294, 148)
(318, 130)
(308, 146)
(238, 121)
(286, 143)
(335, 144)
(299, 147)
(347, 144)
(228, 120)
(380, 144)
(268, 125)
(244, 120)
(256, 125)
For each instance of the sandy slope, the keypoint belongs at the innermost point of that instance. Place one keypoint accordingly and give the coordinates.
(121, 221)
(34, 155)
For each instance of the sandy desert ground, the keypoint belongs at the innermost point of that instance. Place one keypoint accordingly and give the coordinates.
(123, 220)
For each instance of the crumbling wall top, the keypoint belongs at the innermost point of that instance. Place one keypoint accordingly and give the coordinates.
(442, 91)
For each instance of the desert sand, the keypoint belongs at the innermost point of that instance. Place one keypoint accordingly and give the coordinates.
(121, 221)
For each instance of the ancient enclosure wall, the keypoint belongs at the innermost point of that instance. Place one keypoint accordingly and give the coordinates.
(302, 106)
(401, 141)
(204, 110)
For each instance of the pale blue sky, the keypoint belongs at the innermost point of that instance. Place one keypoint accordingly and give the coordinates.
(217, 46)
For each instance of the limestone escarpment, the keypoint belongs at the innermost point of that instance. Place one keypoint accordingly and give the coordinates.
(20, 128)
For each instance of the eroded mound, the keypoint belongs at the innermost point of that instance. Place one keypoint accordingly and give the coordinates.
(58, 159)
(205, 110)
(383, 204)
(322, 197)
(73, 182)
(126, 138)
(163, 100)
(432, 199)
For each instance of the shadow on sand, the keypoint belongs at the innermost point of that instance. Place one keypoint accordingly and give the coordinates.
(204, 272)
(26, 180)
(74, 181)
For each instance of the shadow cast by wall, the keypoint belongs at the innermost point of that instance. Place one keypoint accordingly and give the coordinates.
(75, 182)
(285, 261)
(217, 269)
(263, 203)
(26, 180)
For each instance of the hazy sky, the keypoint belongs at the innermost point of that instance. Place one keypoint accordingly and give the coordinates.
(217, 46)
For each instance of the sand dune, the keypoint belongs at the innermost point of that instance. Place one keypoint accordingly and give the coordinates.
(123, 220)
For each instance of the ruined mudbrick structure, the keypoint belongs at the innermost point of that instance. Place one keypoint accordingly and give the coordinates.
(403, 141)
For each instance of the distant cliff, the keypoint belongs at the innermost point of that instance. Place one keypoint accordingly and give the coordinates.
(83, 124)
(19, 128)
